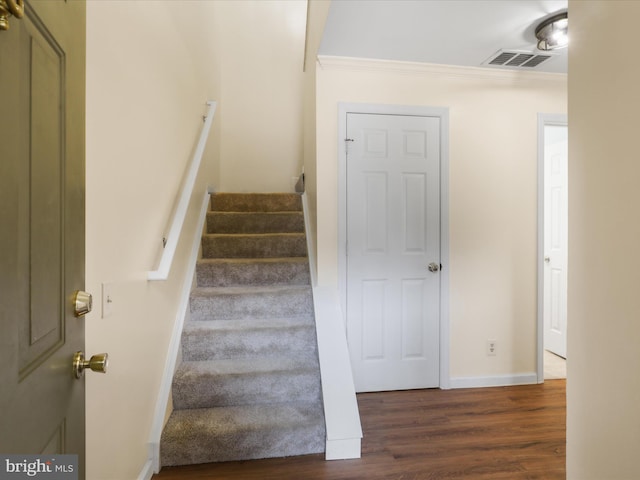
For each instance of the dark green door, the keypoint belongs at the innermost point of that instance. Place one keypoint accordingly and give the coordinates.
(42, 78)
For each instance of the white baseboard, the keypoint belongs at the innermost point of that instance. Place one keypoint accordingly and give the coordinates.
(494, 380)
(147, 471)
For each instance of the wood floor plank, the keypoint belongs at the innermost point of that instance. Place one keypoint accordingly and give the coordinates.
(514, 433)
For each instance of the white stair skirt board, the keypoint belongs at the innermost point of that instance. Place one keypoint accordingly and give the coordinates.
(495, 380)
(174, 346)
(343, 449)
(342, 418)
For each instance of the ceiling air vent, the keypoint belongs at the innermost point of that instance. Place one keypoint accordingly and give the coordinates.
(505, 58)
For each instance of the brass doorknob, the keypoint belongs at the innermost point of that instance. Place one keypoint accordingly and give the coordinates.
(82, 303)
(97, 363)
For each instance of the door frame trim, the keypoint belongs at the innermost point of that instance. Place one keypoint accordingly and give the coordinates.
(544, 119)
(405, 110)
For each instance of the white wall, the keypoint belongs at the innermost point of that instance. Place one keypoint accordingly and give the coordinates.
(316, 19)
(145, 98)
(603, 387)
(261, 54)
(493, 135)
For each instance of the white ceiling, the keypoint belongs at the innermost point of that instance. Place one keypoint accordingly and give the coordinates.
(450, 32)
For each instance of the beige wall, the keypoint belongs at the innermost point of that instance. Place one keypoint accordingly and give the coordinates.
(492, 193)
(603, 388)
(145, 97)
(262, 93)
(147, 83)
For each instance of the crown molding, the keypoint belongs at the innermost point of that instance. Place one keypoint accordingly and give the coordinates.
(327, 62)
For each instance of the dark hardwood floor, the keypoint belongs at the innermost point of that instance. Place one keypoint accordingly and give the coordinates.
(489, 433)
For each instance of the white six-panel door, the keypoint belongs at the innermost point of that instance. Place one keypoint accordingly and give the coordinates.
(393, 234)
(555, 239)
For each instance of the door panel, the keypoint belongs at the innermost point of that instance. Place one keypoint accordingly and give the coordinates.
(393, 222)
(42, 320)
(42, 218)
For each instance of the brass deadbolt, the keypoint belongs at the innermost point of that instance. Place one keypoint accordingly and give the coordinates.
(82, 304)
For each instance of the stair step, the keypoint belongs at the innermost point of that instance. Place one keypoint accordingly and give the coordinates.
(256, 202)
(242, 432)
(220, 339)
(218, 303)
(246, 381)
(214, 272)
(262, 245)
(255, 222)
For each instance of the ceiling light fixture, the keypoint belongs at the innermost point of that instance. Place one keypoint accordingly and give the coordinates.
(553, 33)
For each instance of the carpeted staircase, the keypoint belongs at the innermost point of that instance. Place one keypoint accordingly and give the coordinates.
(248, 385)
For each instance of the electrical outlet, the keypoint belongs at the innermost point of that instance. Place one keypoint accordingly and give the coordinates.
(491, 347)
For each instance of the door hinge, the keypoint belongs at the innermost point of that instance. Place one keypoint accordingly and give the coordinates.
(347, 141)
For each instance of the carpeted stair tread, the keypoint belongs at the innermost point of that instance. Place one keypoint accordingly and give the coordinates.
(264, 323)
(242, 432)
(218, 339)
(266, 379)
(264, 364)
(256, 202)
(255, 222)
(254, 245)
(230, 272)
(266, 261)
(242, 290)
(211, 303)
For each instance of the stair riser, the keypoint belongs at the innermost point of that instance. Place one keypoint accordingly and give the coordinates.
(229, 274)
(271, 246)
(256, 202)
(259, 444)
(251, 305)
(206, 391)
(219, 222)
(202, 345)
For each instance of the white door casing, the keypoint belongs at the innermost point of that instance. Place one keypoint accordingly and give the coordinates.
(555, 239)
(544, 120)
(393, 234)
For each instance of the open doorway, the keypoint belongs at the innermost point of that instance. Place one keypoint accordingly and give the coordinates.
(552, 245)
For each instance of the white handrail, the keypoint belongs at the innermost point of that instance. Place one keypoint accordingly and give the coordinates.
(162, 272)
